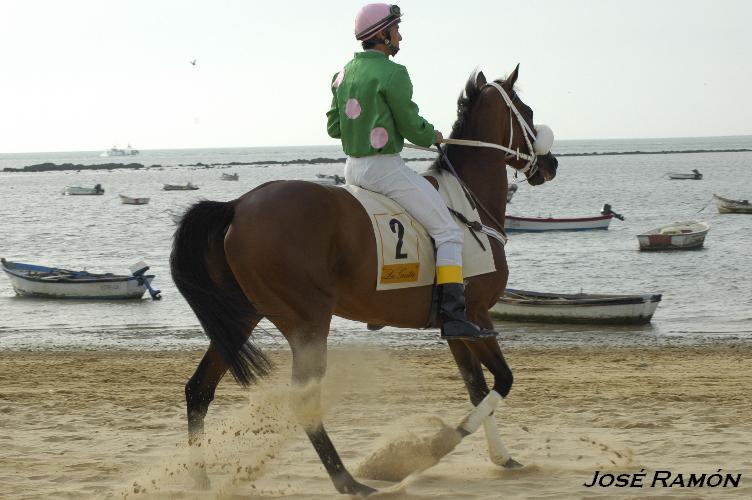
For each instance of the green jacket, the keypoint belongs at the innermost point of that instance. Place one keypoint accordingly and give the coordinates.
(372, 109)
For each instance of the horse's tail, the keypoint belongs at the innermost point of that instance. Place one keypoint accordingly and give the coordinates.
(222, 308)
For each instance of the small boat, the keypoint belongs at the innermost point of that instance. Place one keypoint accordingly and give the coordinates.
(695, 175)
(30, 280)
(521, 305)
(510, 191)
(229, 177)
(540, 224)
(127, 200)
(83, 191)
(327, 180)
(727, 206)
(180, 187)
(113, 151)
(675, 236)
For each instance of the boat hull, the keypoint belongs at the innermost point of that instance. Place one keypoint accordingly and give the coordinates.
(727, 206)
(685, 177)
(80, 191)
(30, 280)
(127, 200)
(536, 225)
(576, 309)
(659, 239)
(116, 289)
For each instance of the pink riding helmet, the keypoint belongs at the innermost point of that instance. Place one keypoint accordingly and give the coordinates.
(375, 17)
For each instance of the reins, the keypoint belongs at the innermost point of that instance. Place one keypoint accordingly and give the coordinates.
(531, 157)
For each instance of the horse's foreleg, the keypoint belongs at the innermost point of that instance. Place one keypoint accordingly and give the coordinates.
(199, 393)
(472, 374)
(309, 366)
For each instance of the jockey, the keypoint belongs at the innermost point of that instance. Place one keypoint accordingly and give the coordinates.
(372, 112)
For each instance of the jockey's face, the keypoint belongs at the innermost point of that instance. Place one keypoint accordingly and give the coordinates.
(395, 36)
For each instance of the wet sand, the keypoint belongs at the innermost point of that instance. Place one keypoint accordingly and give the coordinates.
(112, 424)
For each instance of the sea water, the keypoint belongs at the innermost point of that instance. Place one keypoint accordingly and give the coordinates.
(707, 293)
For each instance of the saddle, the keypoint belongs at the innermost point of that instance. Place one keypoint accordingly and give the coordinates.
(405, 251)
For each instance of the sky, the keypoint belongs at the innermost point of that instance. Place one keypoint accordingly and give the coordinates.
(80, 75)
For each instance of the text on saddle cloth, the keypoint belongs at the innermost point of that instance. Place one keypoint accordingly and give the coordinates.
(405, 254)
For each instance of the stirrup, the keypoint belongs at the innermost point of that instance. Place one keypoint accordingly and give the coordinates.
(472, 333)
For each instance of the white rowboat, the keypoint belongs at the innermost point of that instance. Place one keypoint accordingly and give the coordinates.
(683, 235)
(695, 175)
(229, 177)
(539, 224)
(127, 200)
(31, 280)
(521, 305)
(180, 187)
(727, 206)
(83, 191)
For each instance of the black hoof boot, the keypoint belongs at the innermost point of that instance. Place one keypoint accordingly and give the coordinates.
(347, 485)
(454, 324)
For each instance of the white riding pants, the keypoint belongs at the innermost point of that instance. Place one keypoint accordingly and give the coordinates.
(390, 176)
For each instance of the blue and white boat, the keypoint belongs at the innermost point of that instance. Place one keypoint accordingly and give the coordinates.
(30, 280)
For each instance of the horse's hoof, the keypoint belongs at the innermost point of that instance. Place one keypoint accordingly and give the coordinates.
(362, 490)
(512, 464)
(355, 488)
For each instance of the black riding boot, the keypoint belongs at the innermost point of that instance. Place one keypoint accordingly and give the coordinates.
(452, 312)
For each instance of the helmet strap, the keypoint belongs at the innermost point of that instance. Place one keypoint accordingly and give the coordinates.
(388, 42)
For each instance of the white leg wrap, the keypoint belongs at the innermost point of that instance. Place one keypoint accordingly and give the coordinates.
(481, 412)
(496, 449)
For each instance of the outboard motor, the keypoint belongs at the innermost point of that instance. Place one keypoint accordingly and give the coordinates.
(606, 210)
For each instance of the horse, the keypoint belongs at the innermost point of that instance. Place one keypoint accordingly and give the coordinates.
(297, 253)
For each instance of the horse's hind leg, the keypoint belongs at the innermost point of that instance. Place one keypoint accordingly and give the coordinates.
(199, 393)
(308, 369)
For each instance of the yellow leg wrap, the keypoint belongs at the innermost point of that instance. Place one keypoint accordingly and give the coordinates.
(448, 274)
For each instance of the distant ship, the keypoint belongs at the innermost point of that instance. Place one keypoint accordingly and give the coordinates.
(120, 152)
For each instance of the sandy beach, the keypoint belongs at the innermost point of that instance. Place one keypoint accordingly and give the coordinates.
(112, 425)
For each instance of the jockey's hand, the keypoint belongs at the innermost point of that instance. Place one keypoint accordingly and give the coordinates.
(439, 138)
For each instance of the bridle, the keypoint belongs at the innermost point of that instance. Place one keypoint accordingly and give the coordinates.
(531, 167)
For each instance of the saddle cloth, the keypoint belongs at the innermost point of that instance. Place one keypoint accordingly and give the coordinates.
(404, 250)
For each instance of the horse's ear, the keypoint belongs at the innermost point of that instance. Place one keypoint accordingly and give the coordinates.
(476, 81)
(512, 79)
(480, 79)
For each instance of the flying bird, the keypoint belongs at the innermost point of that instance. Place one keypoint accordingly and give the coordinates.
(193, 62)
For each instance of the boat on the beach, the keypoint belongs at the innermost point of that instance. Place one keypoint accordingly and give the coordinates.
(327, 180)
(695, 175)
(30, 280)
(229, 177)
(682, 235)
(514, 223)
(180, 187)
(114, 151)
(522, 305)
(510, 191)
(127, 200)
(728, 206)
(83, 191)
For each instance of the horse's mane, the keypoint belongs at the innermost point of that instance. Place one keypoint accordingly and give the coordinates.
(465, 103)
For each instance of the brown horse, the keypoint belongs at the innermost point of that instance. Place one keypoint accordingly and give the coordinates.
(297, 253)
